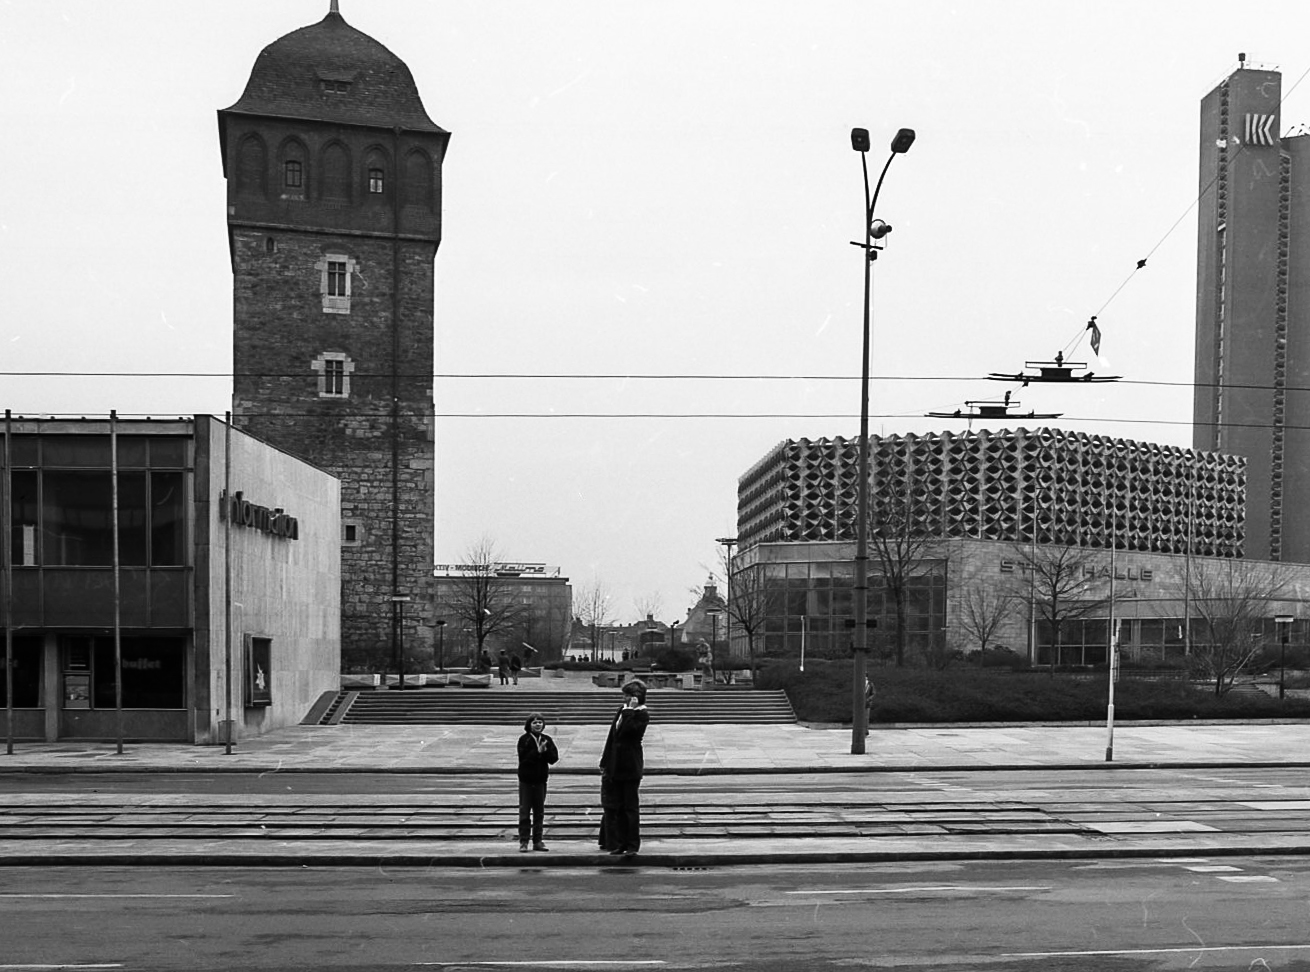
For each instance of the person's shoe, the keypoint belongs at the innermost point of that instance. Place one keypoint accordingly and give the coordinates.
(616, 852)
(523, 847)
(539, 846)
(629, 854)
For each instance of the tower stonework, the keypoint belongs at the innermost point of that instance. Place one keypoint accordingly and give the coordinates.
(333, 172)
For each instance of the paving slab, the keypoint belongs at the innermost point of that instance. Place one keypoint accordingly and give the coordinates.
(486, 755)
(685, 749)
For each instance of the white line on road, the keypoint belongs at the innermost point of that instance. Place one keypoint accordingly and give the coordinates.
(565, 963)
(1159, 951)
(944, 887)
(18, 894)
(41, 968)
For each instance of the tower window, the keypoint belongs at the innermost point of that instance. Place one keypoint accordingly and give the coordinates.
(334, 370)
(336, 271)
(334, 86)
(293, 174)
(334, 378)
(336, 278)
(375, 180)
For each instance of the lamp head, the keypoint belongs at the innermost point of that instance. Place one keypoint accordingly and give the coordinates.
(860, 139)
(902, 142)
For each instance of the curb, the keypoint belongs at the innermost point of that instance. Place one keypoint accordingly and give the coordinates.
(53, 769)
(677, 861)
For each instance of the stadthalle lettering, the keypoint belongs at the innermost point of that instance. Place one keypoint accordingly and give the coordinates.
(1120, 573)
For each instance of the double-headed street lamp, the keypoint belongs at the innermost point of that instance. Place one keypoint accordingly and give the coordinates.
(441, 644)
(873, 231)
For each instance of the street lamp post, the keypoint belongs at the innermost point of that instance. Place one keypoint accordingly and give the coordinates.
(860, 642)
(729, 543)
(1284, 622)
(441, 644)
(714, 636)
(398, 619)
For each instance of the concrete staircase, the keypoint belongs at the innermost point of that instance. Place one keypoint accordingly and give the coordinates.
(457, 707)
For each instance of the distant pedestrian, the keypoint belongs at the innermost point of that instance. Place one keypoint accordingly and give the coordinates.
(537, 753)
(621, 767)
(486, 660)
(515, 666)
(868, 704)
(502, 667)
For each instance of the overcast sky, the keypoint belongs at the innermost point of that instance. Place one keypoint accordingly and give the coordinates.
(663, 192)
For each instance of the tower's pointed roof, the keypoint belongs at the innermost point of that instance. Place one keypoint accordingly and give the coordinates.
(300, 76)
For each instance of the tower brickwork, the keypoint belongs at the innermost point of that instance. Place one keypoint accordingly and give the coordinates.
(333, 175)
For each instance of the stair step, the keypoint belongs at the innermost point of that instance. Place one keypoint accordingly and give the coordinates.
(447, 707)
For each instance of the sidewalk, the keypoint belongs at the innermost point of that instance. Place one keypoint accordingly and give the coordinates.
(705, 749)
(908, 818)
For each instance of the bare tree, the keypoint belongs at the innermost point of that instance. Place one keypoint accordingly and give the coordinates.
(1060, 583)
(592, 607)
(983, 610)
(900, 530)
(750, 600)
(648, 605)
(481, 599)
(1230, 601)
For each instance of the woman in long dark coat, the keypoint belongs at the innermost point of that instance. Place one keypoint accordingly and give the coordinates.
(621, 766)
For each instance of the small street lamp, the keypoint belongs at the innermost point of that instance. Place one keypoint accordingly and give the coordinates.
(729, 543)
(874, 230)
(398, 619)
(1284, 622)
(441, 644)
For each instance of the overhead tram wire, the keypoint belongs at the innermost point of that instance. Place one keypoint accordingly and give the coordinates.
(1141, 263)
(651, 377)
(661, 416)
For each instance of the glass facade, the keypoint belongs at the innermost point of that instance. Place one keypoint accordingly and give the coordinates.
(62, 507)
(815, 602)
(1085, 641)
(153, 672)
(27, 671)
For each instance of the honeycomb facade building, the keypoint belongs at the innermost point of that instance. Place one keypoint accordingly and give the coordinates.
(1047, 486)
(986, 507)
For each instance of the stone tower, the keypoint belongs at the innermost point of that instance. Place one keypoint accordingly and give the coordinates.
(333, 172)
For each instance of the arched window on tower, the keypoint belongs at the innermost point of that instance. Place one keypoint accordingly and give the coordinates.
(335, 172)
(418, 180)
(293, 162)
(252, 178)
(375, 181)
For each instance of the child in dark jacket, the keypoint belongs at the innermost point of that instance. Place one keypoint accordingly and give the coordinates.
(537, 753)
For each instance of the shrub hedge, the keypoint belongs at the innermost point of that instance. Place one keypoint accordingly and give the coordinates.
(822, 693)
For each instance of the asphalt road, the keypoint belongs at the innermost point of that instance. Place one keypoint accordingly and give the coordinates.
(1235, 913)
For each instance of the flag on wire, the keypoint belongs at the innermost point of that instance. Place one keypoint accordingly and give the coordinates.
(1096, 336)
